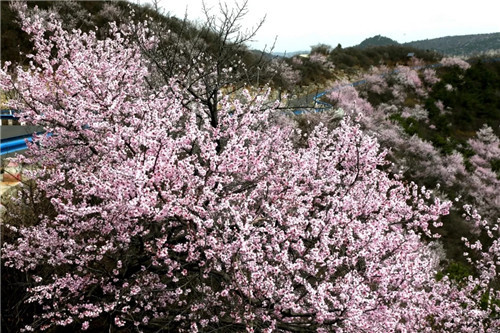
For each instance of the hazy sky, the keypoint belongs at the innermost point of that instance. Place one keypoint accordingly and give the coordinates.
(299, 24)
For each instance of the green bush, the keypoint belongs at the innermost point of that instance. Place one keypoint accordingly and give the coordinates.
(456, 271)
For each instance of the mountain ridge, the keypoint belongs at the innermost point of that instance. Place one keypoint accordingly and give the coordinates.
(461, 45)
(458, 45)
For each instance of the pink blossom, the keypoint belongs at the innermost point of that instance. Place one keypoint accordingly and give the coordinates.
(439, 104)
(376, 83)
(318, 58)
(119, 322)
(347, 98)
(430, 77)
(454, 61)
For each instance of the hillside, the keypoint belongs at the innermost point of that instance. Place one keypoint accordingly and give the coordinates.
(89, 15)
(377, 41)
(465, 45)
(84, 15)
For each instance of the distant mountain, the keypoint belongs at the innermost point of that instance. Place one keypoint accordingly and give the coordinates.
(466, 45)
(377, 41)
(289, 54)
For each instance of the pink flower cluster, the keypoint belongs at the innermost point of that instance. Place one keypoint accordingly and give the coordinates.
(454, 61)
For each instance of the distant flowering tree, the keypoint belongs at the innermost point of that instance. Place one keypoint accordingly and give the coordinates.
(417, 112)
(429, 76)
(346, 97)
(321, 59)
(484, 183)
(162, 218)
(297, 61)
(486, 144)
(454, 61)
(376, 83)
(283, 74)
(318, 58)
(440, 105)
(409, 78)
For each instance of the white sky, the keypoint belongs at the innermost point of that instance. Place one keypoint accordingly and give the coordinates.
(299, 24)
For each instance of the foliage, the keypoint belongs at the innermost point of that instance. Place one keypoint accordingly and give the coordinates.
(377, 40)
(467, 45)
(284, 76)
(456, 271)
(472, 101)
(377, 55)
(316, 70)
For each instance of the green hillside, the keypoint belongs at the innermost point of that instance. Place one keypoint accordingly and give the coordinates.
(377, 41)
(465, 45)
(460, 45)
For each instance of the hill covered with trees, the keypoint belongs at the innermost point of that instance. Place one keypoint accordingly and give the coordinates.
(441, 124)
(466, 45)
(377, 41)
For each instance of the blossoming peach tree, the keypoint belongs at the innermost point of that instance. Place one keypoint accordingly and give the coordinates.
(161, 221)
